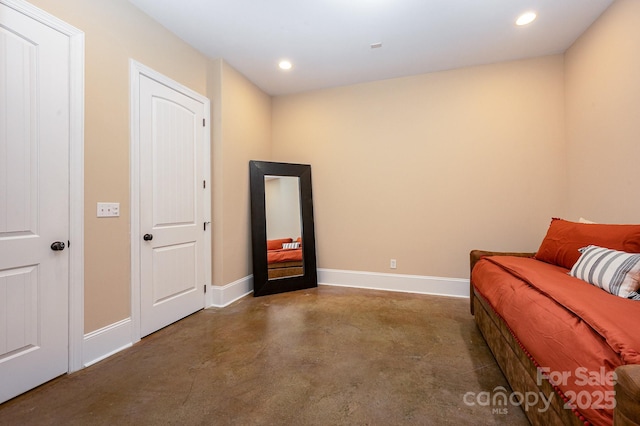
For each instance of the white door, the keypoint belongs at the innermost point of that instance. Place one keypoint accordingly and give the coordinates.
(172, 138)
(34, 202)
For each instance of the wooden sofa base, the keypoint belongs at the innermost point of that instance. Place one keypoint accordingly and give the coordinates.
(520, 370)
(285, 269)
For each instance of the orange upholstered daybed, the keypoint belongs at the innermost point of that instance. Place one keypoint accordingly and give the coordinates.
(284, 258)
(562, 321)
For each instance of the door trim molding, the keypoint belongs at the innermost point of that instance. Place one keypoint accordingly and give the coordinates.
(136, 69)
(76, 172)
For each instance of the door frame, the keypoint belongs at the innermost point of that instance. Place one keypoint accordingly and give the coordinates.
(136, 71)
(76, 172)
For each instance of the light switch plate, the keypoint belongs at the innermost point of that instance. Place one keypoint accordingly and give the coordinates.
(108, 209)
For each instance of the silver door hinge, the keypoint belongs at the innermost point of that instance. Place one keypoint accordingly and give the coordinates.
(204, 123)
(205, 288)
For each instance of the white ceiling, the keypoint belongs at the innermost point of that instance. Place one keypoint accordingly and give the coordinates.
(328, 41)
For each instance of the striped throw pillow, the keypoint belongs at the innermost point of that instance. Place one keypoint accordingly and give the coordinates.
(614, 271)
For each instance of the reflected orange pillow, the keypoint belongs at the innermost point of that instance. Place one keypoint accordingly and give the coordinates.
(564, 238)
(277, 244)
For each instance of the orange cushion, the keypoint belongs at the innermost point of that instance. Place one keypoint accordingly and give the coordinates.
(563, 240)
(277, 244)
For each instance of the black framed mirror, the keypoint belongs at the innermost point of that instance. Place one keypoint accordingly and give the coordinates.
(282, 228)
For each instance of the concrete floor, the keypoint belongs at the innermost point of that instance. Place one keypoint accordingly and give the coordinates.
(324, 356)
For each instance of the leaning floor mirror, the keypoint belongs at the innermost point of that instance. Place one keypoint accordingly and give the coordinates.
(282, 229)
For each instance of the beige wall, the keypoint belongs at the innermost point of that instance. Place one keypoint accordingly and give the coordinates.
(114, 32)
(422, 169)
(603, 117)
(241, 132)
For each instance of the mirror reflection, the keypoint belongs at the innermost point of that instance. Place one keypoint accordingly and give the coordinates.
(284, 226)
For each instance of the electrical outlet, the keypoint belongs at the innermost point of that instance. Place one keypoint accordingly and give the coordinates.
(108, 209)
(393, 264)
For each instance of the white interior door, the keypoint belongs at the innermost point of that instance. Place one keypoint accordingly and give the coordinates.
(34, 202)
(172, 142)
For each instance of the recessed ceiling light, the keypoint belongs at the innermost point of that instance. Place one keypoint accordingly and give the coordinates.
(285, 65)
(526, 18)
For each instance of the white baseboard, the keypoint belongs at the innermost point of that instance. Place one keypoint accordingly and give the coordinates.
(225, 295)
(103, 343)
(453, 287)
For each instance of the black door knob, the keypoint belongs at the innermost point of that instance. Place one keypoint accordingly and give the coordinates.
(57, 246)
(148, 237)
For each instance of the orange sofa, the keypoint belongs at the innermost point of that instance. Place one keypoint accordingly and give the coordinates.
(569, 348)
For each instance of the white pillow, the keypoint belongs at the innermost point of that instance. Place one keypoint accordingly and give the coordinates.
(583, 220)
(614, 271)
